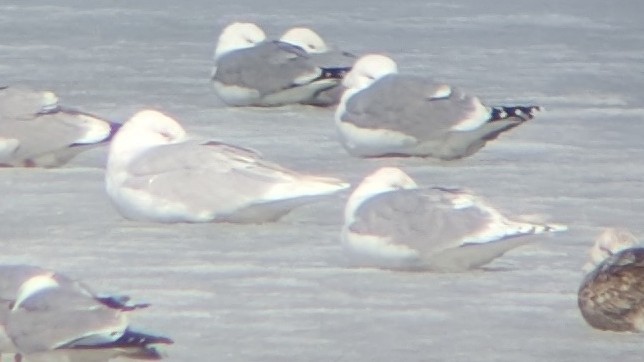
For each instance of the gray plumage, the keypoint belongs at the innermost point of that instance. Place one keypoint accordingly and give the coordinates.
(268, 67)
(252, 71)
(155, 173)
(45, 133)
(323, 56)
(390, 222)
(61, 314)
(427, 221)
(384, 113)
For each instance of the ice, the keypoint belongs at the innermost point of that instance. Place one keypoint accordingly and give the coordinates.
(284, 291)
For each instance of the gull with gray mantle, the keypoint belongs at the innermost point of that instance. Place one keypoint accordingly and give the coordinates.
(36, 131)
(324, 56)
(156, 173)
(383, 113)
(252, 71)
(611, 295)
(44, 311)
(390, 222)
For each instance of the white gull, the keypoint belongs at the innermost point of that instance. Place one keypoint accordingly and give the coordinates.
(156, 173)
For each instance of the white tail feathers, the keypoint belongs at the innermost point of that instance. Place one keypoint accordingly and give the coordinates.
(306, 186)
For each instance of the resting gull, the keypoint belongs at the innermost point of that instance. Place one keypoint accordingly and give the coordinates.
(156, 173)
(324, 56)
(252, 71)
(36, 131)
(390, 222)
(46, 311)
(611, 296)
(383, 113)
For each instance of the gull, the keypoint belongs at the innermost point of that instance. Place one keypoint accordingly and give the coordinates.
(611, 295)
(324, 56)
(156, 173)
(384, 113)
(44, 311)
(36, 131)
(391, 222)
(252, 71)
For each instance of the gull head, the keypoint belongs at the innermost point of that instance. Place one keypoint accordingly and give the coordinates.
(49, 102)
(33, 286)
(369, 69)
(608, 243)
(383, 180)
(238, 36)
(146, 129)
(306, 39)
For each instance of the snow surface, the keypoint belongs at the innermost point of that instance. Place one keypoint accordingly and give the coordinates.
(284, 291)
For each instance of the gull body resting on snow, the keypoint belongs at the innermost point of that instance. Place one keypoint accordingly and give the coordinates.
(252, 71)
(384, 113)
(611, 295)
(390, 222)
(44, 311)
(36, 131)
(323, 56)
(156, 173)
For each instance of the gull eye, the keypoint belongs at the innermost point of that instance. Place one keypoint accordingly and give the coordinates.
(312, 46)
(167, 135)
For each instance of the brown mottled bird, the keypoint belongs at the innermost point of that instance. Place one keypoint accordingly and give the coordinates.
(611, 296)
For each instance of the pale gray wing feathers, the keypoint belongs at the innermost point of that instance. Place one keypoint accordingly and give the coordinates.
(195, 173)
(21, 103)
(268, 67)
(408, 105)
(424, 219)
(75, 314)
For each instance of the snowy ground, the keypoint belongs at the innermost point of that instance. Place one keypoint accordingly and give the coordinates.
(284, 291)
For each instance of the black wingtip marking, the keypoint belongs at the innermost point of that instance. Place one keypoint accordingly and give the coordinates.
(334, 73)
(129, 339)
(121, 303)
(505, 112)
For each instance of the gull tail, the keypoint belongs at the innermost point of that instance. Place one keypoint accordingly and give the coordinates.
(334, 73)
(520, 229)
(137, 339)
(322, 185)
(129, 339)
(305, 186)
(120, 302)
(502, 112)
(485, 248)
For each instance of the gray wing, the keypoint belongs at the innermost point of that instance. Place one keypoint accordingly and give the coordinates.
(57, 316)
(333, 59)
(424, 219)
(408, 105)
(268, 67)
(17, 102)
(53, 134)
(189, 173)
(611, 297)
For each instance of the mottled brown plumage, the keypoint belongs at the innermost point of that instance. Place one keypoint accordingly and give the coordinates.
(611, 297)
